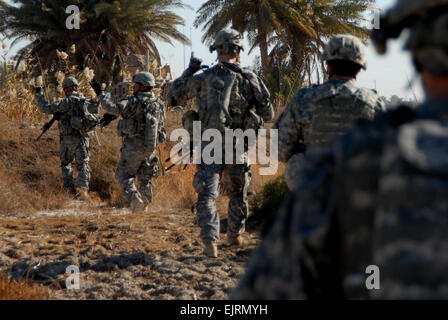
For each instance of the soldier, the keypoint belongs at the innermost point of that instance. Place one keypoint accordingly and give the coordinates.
(315, 116)
(376, 204)
(226, 94)
(76, 115)
(142, 130)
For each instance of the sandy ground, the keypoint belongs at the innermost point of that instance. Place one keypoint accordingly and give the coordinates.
(153, 255)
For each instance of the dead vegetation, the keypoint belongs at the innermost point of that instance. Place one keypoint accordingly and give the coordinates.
(30, 181)
(21, 290)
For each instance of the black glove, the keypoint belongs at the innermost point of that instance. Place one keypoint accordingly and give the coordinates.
(195, 64)
(107, 119)
(96, 86)
(38, 90)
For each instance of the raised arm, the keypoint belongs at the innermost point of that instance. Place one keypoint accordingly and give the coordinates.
(110, 106)
(44, 106)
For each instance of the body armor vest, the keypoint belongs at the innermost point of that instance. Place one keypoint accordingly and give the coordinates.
(333, 115)
(221, 98)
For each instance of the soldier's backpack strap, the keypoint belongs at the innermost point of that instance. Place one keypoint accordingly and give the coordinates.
(253, 102)
(237, 69)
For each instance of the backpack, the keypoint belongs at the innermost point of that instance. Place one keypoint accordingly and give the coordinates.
(84, 116)
(144, 118)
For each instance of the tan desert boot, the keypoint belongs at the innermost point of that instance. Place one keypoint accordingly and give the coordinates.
(211, 249)
(137, 205)
(235, 240)
(83, 194)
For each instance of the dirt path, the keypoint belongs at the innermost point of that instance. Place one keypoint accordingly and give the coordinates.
(155, 255)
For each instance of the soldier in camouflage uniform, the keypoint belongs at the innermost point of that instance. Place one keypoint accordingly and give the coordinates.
(76, 115)
(142, 130)
(315, 116)
(378, 197)
(245, 92)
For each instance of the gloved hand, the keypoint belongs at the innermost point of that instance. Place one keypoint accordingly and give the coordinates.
(195, 64)
(96, 86)
(38, 90)
(107, 119)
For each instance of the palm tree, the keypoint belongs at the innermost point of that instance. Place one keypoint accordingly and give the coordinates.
(295, 29)
(110, 31)
(259, 18)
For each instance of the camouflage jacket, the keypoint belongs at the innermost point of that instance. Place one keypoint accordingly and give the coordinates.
(248, 92)
(143, 116)
(77, 114)
(317, 115)
(379, 197)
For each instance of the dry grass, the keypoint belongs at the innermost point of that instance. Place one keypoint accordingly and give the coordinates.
(31, 176)
(30, 171)
(21, 290)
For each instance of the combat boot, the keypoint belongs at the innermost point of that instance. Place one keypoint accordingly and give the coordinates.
(83, 194)
(137, 205)
(70, 192)
(235, 240)
(211, 249)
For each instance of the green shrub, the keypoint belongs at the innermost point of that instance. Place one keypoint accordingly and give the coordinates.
(265, 204)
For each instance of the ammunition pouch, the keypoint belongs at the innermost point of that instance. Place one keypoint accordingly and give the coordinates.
(76, 123)
(151, 132)
(154, 163)
(162, 135)
(127, 128)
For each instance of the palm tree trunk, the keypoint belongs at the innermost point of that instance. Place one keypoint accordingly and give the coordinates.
(262, 43)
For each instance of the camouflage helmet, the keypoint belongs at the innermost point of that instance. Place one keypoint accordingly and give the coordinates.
(70, 82)
(227, 37)
(346, 47)
(428, 43)
(428, 24)
(405, 10)
(145, 79)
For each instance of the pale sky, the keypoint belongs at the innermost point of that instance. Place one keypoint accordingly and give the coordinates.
(390, 73)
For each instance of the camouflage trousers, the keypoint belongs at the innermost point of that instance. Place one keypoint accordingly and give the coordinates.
(75, 148)
(136, 163)
(206, 182)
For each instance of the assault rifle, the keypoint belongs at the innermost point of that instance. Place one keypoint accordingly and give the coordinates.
(47, 126)
(190, 154)
(105, 121)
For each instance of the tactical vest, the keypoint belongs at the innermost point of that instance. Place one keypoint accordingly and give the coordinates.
(335, 111)
(410, 238)
(80, 114)
(143, 117)
(393, 208)
(222, 92)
